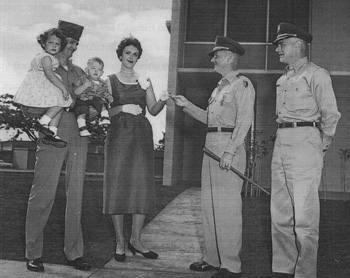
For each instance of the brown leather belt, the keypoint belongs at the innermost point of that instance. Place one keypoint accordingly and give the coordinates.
(220, 129)
(296, 124)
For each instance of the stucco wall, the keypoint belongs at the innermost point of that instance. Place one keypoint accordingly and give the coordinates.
(331, 31)
(330, 49)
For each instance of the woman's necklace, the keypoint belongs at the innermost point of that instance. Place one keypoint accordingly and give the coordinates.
(128, 76)
(128, 72)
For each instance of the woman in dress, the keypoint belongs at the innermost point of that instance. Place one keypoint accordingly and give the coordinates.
(129, 175)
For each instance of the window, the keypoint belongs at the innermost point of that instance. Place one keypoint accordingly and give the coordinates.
(292, 11)
(246, 20)
(253, 23)
(242, 20)
(205, 20)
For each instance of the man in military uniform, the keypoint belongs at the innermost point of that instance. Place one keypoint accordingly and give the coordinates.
(229, 116)
(48, 168)
(307, 117)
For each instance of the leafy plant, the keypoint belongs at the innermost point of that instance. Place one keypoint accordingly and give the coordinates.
(344, 154)
(256, 150)
(98, 132)
(12, 118)
(161, 144)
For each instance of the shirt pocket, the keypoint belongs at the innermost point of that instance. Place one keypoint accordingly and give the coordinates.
(298, 96)
(227, 105)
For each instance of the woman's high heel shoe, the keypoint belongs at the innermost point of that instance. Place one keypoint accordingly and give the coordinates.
(148, 255)
(119, 257)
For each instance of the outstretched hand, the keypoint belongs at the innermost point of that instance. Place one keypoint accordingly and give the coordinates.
(180, 100)
(164, 96)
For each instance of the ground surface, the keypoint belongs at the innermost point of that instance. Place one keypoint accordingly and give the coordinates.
(334, 245)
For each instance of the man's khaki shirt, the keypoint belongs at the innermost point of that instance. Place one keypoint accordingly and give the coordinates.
(231, 105)
(305, 94)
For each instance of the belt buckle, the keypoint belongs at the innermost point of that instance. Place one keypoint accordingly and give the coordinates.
(282, 125)
(219, 128)
(294, 124)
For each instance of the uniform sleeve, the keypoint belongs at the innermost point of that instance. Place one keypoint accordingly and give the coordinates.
(78, 82)
(244, 117)
(322, 88)
(196, 112)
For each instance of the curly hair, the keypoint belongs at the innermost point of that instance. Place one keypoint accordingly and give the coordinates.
(126, 42)
(42, 38)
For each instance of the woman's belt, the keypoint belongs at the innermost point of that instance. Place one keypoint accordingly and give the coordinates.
(296, 124)
(115, 110)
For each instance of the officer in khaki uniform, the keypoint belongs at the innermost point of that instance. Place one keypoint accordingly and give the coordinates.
(307, 117)
(228, 116)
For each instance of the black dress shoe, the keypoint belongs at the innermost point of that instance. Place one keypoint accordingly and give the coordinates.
(119, 257)
(149, 255)
(54, 141)
(79, 263)
(202, 266)
(278, 275)
(225, 273)
(35, 265)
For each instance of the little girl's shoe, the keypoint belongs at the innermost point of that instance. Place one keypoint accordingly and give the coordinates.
(105, 121)
(83, 132)
(55, 141)
(44, 129)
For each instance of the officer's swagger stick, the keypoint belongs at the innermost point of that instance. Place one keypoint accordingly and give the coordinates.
(238, 173)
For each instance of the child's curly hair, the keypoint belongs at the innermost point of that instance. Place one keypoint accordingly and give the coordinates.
(42, 38)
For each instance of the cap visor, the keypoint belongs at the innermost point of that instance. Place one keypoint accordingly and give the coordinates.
(217, 48)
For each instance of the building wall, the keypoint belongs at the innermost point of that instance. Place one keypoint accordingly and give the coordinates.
(192, 76)
(174, 119)
(331, 31)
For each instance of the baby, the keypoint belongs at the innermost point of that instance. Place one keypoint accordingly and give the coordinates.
(91, 91)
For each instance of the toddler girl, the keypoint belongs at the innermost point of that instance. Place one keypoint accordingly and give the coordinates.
(43, 89)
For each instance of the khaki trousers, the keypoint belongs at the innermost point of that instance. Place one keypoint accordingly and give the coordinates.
(222, 206)
(295, 210)
(42, 195)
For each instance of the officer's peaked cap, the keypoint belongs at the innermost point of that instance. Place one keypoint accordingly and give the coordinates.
(287, 30)
(225, 43)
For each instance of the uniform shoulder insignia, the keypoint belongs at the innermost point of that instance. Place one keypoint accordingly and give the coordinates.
(245, 82)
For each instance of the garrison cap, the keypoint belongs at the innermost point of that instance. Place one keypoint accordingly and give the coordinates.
(225, 43)
(71, 30)
(287, 30)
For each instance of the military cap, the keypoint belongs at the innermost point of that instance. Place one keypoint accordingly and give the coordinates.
(287, 30)
(71, 30)
(225, 43)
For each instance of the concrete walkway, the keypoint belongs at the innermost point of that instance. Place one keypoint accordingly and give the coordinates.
(175, 234)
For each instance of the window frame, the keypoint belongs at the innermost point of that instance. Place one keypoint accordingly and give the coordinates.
(267, 44)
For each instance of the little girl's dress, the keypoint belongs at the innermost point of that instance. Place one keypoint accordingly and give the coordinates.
(36, 90)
